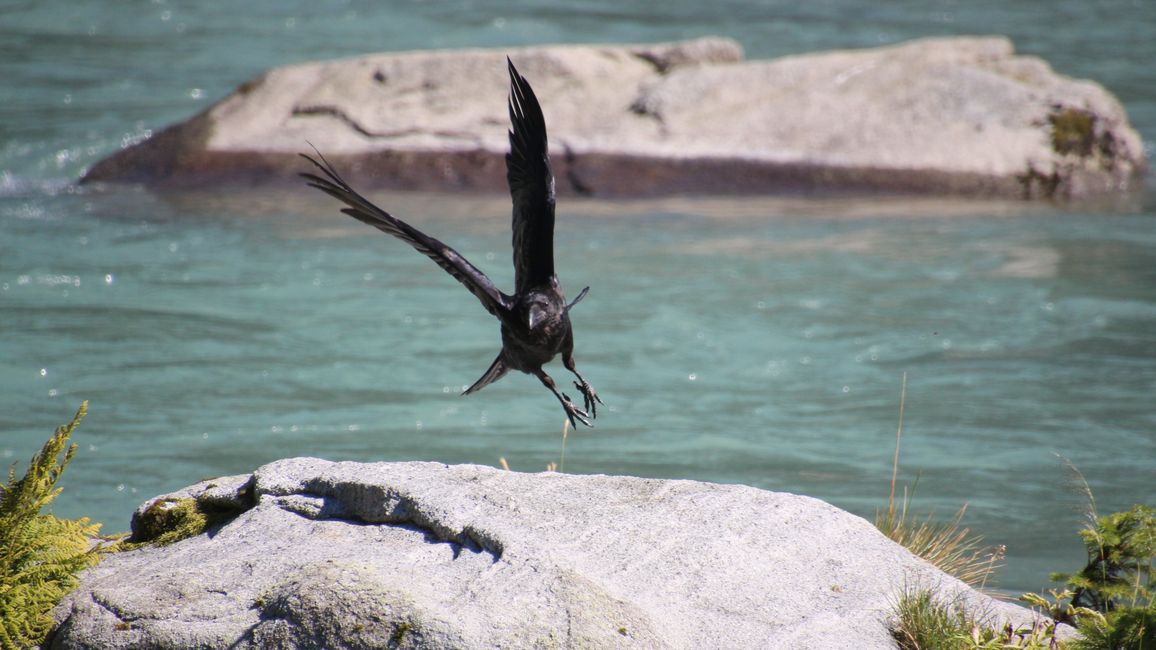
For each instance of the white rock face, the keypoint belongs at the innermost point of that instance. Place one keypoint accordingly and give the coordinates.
(319, 554)
(962, 115)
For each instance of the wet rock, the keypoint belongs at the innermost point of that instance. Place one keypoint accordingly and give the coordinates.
(424, 555)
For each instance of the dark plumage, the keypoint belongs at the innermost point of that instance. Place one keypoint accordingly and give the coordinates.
(535, 319)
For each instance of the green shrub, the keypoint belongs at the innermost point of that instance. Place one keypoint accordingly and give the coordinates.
(1110, 600)
(1120, 549)
(40, 554)
(1128, 628)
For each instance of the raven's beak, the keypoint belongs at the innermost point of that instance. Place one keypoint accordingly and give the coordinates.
(537, 315)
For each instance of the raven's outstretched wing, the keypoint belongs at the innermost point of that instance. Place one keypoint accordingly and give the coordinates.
(360, 208)
(531, 186)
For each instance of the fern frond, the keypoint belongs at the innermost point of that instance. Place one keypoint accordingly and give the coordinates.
(40, 554)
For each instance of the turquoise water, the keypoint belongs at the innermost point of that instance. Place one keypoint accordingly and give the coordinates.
(759, 341)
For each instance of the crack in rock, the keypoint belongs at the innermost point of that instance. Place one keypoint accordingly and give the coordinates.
(345, 118)
(120, 615)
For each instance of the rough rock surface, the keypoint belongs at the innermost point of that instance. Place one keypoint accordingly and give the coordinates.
(962, 115)
(423, 555)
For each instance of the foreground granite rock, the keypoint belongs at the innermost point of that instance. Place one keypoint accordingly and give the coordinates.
(963, 116)
(315, 554)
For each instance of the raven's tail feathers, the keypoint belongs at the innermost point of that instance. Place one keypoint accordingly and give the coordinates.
(497, 369)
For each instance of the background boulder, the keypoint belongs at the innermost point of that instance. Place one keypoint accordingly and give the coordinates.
(962, 115)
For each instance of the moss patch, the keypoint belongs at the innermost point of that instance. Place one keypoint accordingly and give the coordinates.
(1073, 132)
(400, 632)
(170, 520)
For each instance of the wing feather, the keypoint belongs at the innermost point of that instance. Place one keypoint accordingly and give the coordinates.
(531, 187)
(360, 208)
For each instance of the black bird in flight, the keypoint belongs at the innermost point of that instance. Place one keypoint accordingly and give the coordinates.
(535, 320)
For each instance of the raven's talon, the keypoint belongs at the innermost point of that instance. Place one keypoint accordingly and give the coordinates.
(573, 412)
(589, 397)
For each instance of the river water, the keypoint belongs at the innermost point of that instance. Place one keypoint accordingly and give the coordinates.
(757, 340)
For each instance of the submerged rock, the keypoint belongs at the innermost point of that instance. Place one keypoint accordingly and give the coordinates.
(962, 115)
(423, 555)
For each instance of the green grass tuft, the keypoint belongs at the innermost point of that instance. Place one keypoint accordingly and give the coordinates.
(924, 623)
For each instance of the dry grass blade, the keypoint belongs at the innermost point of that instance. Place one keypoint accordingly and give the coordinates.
(565, 434)
(946, 544)
(550, 466)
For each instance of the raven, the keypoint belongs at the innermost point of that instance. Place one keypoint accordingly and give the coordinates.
(535, 320)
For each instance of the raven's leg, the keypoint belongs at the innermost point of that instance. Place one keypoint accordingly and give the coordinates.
(572, 411)
(588, 395)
